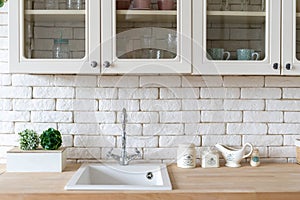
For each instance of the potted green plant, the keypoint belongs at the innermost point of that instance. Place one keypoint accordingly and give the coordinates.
(51, 139)
(29, 140)
(2, 3)
(40, 160)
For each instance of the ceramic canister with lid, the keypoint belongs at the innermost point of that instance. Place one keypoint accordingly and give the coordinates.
(186, 156)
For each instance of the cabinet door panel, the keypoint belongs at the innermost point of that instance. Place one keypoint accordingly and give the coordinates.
(53, 38)
(236, 37)
(147, 37)
(290, 37)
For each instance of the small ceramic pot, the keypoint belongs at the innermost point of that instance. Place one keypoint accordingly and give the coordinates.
(165, 4)
(142, 4)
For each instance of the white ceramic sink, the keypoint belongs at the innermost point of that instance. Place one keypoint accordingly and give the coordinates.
(106, 176)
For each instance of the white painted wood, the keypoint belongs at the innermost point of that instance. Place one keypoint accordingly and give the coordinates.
(56, 15)
(169, 16)
(55, 12)
(36, 161)
(147, 12)
(237, 17)
(288, 38)
(181, 64)
(19, 64)
(265, 67)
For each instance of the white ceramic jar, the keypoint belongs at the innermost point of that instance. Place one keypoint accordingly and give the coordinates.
(210, 159)
(186, 156)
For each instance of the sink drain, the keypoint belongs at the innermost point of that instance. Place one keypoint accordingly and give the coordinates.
(149, 175)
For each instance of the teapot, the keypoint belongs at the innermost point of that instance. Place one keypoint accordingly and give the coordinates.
(234, 156)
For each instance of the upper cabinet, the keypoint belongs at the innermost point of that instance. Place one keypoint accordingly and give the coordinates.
(290, 37)
(144, 36)
(53, 36)
(206, 37)
(236, 37)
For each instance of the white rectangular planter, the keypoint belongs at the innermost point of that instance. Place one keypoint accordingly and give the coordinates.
(36, 160)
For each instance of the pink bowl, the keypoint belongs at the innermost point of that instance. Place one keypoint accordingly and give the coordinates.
(142, 4)
(165, 4)
(123, 4)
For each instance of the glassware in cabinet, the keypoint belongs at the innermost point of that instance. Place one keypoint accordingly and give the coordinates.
(38, 27)
(147, 32)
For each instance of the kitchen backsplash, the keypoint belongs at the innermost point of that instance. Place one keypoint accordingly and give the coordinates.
(163, 111)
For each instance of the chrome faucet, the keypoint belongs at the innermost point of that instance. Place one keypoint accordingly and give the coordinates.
(124, 159)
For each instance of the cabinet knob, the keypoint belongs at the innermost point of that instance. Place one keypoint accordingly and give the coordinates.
(275, 66)
(106, 64)
(288, 66)
(94, 64)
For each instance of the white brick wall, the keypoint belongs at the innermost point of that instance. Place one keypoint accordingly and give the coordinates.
(53, 92)
(163, 111)
(32, 80)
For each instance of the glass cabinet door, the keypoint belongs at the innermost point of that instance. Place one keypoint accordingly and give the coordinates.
(144, 36)
(53, 36)
(291, 37)
(236, 37)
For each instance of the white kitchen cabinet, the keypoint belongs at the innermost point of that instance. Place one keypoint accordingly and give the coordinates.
(108, 38)
(146, 39)
(229, 25)
(290, 38)
(33, 30)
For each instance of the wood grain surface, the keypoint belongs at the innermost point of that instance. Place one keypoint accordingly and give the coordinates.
(269, 181)
(2, 169)
(39, 150)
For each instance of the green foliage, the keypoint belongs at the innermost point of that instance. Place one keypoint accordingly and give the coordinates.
(2, 3)
(51, 139)
(29, 140)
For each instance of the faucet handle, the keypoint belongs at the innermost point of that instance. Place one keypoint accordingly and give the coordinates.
(138, 152)
(109, 153)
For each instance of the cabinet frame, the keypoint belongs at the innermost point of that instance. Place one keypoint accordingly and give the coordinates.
(265, 67)
(100, 19)
(182, 63)
(19, 64)
(288, 38)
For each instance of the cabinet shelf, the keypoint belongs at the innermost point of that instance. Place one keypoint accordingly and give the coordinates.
(147, 15)
(55, 15)
(236, 17)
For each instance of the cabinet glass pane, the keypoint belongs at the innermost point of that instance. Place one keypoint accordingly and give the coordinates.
(54, 29)
(146, 29)
(236, 30)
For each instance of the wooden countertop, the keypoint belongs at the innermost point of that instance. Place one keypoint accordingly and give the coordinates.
(269, 181)
(2, 169)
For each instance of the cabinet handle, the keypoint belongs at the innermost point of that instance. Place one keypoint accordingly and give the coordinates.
(288, 66)
(106, 64)
(94, 64)
(275, 66)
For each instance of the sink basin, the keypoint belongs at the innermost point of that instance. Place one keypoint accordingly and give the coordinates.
(106, 176)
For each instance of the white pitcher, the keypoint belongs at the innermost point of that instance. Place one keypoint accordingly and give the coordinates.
(234, 156)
